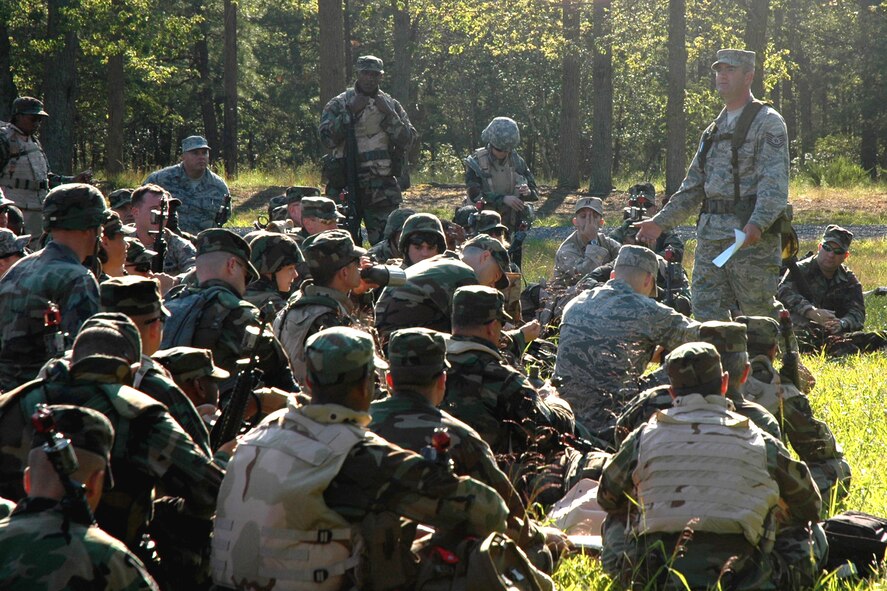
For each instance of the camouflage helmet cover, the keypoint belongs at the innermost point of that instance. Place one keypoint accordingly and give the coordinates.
(74, 206)
(502, 133)
(422, 222)
(271, 251)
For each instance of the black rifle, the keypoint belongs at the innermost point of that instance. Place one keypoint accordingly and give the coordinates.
(224, 213)
(53, 337)
(159, 217)
(669, 256)
(790, 361)
(248, 377)
(61, 455)
(350, 197)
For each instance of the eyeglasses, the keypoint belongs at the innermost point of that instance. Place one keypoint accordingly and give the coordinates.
(421, 241)
(835, 251)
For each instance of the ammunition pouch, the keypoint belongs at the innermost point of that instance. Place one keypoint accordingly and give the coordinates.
(334, 171)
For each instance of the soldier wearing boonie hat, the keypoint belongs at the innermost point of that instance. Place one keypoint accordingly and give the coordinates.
(587, 248)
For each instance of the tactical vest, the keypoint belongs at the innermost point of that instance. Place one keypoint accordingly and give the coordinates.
(372, 140)
(294, 323)
(186, 308)
(771, 395)
(702, 467)
(25, 177)
(272, 527)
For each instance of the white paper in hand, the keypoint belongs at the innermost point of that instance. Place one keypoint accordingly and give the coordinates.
(722, 258)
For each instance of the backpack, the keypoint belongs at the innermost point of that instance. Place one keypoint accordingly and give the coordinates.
(186, 311)
(858, 538)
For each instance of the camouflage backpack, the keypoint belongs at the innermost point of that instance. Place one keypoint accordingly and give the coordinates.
(186, 307)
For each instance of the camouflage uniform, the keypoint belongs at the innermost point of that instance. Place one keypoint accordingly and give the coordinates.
(317, 307)
(48, 548)
(607, 338)
(221, 316)
(751, 276)
(573, 259)
(201, 199)
(666, 239)
(52, 275)
(387, 248)
(358, 487)
(151, 448)
(716, 520)
(10, 243)
(382, 142)
(491, 180)
(180, 254)
(842, 294)
(270, 252)
(811, 439)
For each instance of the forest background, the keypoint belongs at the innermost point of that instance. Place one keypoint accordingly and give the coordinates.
(602, 89)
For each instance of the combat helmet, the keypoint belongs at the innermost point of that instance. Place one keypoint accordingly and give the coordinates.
(75, 206)
(426, 223)
(502, 133)
(270, 252)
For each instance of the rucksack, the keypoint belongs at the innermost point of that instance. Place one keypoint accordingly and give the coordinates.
(858, 538)
(186, 311)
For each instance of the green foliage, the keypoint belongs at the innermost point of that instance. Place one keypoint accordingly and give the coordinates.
(837, 172)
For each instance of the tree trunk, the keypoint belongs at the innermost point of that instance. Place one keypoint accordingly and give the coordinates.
(60, 89)
(780, 41)
(229, 141)
(675, 118)
(756, 40)
(601, 181)
(205, 84)
(403, 52)
(116, 113)
(568, 165)
(8, 91)
(332, 49)
(872, 87)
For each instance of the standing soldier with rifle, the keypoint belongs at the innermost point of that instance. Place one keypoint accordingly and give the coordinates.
(367, 133)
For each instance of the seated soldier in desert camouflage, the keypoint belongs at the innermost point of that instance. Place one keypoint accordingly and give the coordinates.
(587, 248)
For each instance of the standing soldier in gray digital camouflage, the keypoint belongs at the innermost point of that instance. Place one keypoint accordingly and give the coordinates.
(24, 170)
(202, 192)
(382, 133)
(745, 188)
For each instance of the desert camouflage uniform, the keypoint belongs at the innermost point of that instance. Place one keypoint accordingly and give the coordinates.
(45, 550)
(53, 274)
(751, 276)
(150, 448)
(704, 558)
(378, 185)
(842, 294)
(811, 439)
(607, 338)
(220, 329)
(201, 199)
(572, 261)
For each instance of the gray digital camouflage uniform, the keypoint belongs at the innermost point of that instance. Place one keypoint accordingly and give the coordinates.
(201, 199)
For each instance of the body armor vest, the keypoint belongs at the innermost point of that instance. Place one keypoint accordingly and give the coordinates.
(702, 467)
(24, 178)
(373, 156)
(272, 526)
(500, 179)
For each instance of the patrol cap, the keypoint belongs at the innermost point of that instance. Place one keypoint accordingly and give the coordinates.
(478, 304)
(488, 220)
(735, 57)
(840, 236)
(330, 249)
(222, 240)
(593, 203)
(137, 253)
(320, 207)
(88, 429)
(762, 332)
(631, 255)
(695, 366)
(120, 197)
(28, 105)
(194, 142)
(74, 206)
(280, 226)
(500, 255)
(425, 223)
(296, 193)
(370, 63)
(415, 355)
(188, 363)
(727, 337)
(132, 295)
(271, 251)
(340, 355)
(395, 221)
(12, 244)
(108, 334)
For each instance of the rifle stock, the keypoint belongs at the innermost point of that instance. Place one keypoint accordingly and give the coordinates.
(159, 216)
(790, 361)
(351, 195)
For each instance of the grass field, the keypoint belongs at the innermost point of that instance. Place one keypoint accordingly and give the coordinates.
(850, 395)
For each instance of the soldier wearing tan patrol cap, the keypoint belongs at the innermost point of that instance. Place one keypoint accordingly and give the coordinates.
(747, 192)
(587, 248)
